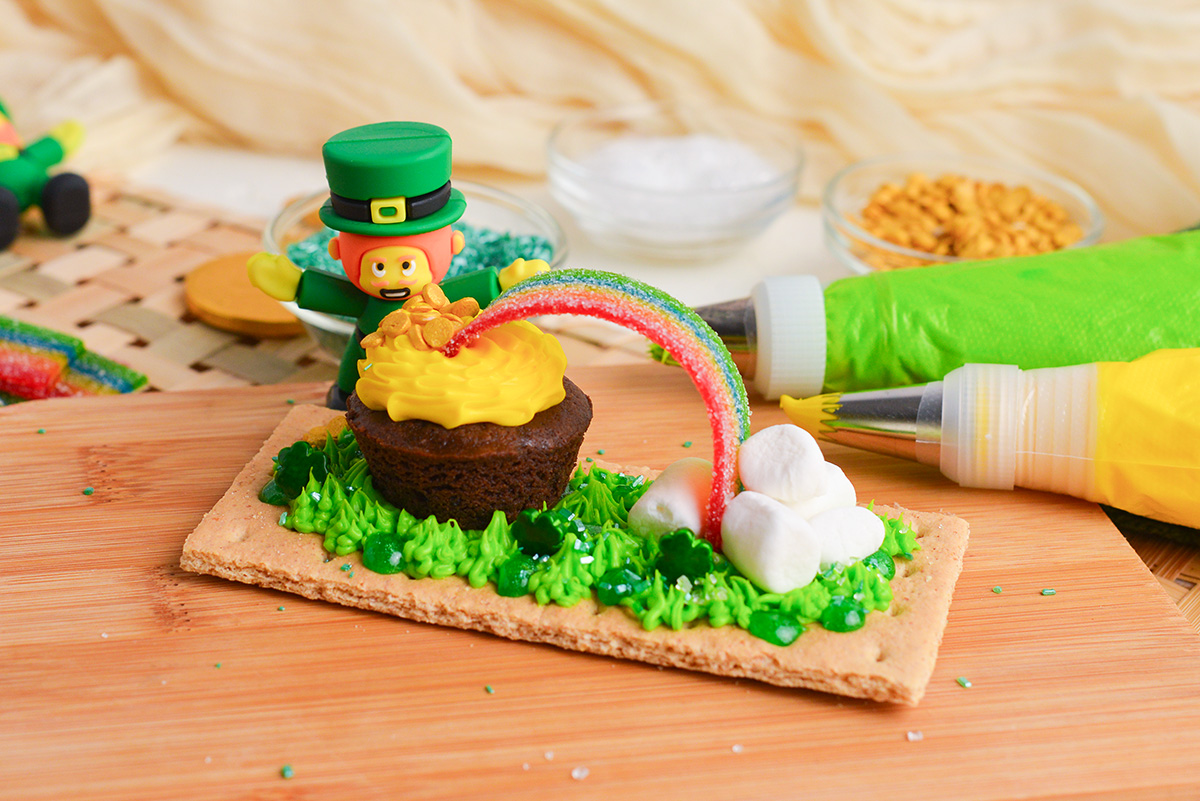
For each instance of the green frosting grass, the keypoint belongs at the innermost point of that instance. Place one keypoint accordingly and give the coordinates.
(596, 557)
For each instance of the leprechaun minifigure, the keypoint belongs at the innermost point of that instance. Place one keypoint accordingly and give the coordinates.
(65, 199)
(391, 202)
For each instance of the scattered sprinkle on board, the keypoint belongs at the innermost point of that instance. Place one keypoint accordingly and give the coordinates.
(88, 490)
(287, 772)
(963, 681)
(997, 589)
(489, 689)
(1049, 591)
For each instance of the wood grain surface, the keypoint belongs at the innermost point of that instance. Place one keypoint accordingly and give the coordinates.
(127, 678)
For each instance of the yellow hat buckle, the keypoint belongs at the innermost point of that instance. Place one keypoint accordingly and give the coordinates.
(389, 210)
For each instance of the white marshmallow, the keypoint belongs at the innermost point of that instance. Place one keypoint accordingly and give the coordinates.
(769, 543)
(847, 534)
(784, 462)
(838, 492)
(676, 499)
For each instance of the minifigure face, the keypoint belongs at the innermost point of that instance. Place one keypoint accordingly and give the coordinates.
(394, 272)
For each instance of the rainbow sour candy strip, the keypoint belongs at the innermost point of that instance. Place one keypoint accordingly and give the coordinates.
(93, 374)
(663, 320)
(32, 358)
(37, 362)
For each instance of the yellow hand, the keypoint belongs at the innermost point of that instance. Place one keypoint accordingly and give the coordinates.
(521, 269)
(274, 275)
(69, 134)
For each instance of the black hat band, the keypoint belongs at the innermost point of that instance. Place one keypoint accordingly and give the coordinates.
(386, 211)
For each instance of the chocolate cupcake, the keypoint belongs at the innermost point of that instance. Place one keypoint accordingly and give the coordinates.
(495, 427)
(468, 472)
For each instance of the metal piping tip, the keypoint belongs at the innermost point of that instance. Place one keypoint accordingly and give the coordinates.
(904, 422)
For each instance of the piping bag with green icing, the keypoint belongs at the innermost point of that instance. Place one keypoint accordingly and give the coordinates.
(1112, 302)
(1126, 434)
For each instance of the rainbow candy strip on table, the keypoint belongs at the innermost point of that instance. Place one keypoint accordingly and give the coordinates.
(38, 363)
(663, 320)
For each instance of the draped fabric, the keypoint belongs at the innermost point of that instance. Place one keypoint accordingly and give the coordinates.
(1106, 92)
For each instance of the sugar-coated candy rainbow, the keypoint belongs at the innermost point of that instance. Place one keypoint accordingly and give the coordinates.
(37, 362)
(663, 320)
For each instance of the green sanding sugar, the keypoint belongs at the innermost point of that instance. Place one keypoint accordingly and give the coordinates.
(88, 490)
(687, 444)
(41, 431)
(287, 772)
(600, 451)
(346, 568)
(484, 247)
(997, 589)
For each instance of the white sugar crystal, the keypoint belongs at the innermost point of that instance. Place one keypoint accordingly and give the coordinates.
(678, 181)
(691, 163)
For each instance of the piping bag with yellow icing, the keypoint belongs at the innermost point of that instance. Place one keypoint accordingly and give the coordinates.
(1125, 434)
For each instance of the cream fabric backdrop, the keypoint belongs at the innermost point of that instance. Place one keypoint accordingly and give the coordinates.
(1106, 93)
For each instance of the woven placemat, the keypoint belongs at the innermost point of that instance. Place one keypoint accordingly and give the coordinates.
(118, 286)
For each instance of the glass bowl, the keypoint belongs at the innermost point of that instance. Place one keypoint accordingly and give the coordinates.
(849, 191)
(670, 181)
(487, 208)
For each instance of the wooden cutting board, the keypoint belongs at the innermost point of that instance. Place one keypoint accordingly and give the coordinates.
(126, 678)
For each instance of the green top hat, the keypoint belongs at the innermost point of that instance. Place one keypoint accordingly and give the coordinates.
(390, 179)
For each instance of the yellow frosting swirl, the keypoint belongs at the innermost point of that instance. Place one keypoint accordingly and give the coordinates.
(505, 377)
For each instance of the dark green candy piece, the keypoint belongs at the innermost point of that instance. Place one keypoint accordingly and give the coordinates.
(843, 614)
(683, 554)
(620, 583)
(383, 553)
(295, 463)
(512, 579)
(270, 493)
(881, 562)
(542, 533)
(775, 627)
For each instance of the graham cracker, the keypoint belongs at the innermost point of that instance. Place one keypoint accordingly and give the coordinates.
(890, 658)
